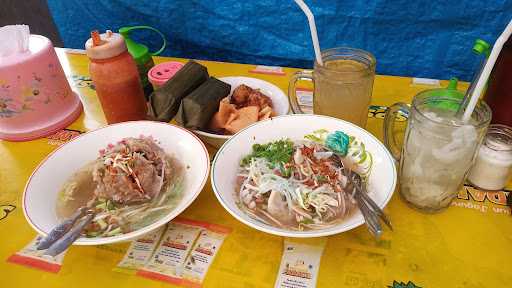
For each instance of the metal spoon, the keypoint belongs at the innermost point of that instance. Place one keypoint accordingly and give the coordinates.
(61, 229)
(371, 220)
(65, 241)
(363, 194)
(370, 210)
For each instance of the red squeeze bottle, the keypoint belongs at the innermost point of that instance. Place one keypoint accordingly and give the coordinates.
(116, 78)
(499, 93)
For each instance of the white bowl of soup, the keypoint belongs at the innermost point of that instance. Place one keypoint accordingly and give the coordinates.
(282, 176)
(152, 170)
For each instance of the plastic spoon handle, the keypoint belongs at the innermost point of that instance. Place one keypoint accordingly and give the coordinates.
(61, 229)
(70, 237)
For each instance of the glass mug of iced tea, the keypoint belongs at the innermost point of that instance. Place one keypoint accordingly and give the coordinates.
(438, 149)
(343, 85)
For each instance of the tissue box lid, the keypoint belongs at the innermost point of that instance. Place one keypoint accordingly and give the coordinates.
(37, 44)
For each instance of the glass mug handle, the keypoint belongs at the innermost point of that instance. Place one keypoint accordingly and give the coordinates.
(292, 93)
(389, 124)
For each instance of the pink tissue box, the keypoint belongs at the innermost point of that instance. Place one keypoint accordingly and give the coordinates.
(35, 97)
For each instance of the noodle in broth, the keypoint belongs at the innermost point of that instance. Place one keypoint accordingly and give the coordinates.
(131, 185)
(302, 185)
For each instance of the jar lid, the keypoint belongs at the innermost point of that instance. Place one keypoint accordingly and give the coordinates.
(111, 45)
(162, 72)
(499, 137)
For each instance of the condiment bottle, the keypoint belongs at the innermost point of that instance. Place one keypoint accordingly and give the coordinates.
(141, 55)
(115, 76)
(499, 93)
(493, 164)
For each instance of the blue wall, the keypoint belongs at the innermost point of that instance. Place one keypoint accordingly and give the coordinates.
(422, 38)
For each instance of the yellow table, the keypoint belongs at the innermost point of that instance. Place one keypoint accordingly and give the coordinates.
(469, 245)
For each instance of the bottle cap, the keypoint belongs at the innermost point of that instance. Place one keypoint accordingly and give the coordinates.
(481, 46)
(104, 46)
(160, 73)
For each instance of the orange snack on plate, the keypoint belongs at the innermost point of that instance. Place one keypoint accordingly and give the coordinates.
(246, 116)
(245, 107)
(221, 117)
(265, 116)
(265, 113)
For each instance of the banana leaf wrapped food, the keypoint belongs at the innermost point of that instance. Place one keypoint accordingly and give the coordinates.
(198, 108)
(165, 101)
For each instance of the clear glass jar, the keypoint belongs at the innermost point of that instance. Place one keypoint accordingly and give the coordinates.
(438, 149)
(343, 84)
(493, 164)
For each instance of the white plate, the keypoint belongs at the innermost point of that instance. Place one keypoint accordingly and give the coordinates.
(381, 184)
(279, 101)
(41, 191)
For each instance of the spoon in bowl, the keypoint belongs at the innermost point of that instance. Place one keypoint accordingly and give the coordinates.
(370, 210)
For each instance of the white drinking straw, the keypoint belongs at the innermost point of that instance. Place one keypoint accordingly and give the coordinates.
(480, 84)
(312, 27)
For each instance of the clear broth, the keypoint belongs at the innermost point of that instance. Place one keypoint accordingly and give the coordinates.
(70, 199)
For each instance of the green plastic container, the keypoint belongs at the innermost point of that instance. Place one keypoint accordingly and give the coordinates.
(141, 54)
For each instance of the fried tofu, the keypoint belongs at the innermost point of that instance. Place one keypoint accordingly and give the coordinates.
(246, 116)
(220, 118)
(245, 107)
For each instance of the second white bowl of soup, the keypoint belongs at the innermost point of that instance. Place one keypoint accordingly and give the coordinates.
(294, 187)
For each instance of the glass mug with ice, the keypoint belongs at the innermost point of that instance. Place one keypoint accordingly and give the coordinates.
(343, 85)
(438, 149)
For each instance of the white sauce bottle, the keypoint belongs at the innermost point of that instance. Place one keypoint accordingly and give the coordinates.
(493, 163)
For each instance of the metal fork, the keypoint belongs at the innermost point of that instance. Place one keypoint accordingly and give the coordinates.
(370, 210)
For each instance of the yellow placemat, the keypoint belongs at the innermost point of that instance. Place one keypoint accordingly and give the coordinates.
(469, 245)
